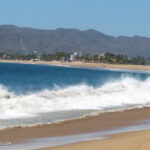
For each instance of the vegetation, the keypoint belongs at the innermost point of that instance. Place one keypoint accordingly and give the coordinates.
(62, 56)
(113, 59)
(57, 56)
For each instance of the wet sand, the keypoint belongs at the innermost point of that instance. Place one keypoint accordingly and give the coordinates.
(103, 121)
(139, 140)
(81, 64)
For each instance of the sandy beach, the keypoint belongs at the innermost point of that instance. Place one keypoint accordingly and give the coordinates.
(104, 121)
(84, 65)
(74, 75)
(139, 140)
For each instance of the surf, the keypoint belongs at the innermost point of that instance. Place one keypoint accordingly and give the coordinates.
(123, 93)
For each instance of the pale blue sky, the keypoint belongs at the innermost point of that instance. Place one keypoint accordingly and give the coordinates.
(113, 17)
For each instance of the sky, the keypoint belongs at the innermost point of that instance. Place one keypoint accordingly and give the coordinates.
(112, 17)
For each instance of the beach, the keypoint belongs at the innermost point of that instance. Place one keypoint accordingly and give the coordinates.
(84, 65)
(89, 124)
(74, 75)
(98, 122)
(139, 140)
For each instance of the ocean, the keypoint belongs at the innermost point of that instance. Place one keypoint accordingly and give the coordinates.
(38, 94)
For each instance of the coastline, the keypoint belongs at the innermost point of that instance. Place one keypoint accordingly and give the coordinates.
(101, 122)
(84, 65)
(137, 140)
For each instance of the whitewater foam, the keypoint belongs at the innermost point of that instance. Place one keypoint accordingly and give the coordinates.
(122, 93)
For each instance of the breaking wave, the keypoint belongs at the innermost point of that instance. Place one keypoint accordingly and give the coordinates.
(122, 93)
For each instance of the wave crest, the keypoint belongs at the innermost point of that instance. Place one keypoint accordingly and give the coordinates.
(121, 93)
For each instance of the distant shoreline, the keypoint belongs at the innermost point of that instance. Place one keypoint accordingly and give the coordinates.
(84, 65)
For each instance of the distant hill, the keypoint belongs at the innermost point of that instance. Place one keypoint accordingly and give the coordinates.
(20, 40)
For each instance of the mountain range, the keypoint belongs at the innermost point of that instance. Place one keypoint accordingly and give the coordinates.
(23, 40)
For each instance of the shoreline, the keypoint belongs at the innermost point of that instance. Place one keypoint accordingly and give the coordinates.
(135, 140)
(84, 65)
(101, 122)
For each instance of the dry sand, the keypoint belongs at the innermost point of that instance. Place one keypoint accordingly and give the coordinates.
(81, 64)
(139, 140)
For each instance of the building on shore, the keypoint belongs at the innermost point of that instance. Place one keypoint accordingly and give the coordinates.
(72, 56)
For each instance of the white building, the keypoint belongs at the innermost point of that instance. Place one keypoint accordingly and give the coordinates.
(72, 56)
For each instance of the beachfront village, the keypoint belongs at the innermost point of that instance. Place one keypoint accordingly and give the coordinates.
(109, 58)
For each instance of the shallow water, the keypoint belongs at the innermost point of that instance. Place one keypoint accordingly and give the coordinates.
(64, 140)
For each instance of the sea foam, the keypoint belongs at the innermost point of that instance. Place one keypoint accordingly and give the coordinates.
(122, 93)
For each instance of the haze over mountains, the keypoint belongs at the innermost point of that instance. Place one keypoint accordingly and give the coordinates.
(21, 40)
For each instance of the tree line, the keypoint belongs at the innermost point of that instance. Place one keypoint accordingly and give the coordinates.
(62, 56)
(114, 59)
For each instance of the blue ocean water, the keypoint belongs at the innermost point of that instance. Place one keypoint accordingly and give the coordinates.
(25, 78)
(31, 94)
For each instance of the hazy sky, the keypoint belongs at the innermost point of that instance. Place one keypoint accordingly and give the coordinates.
(113, 17)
